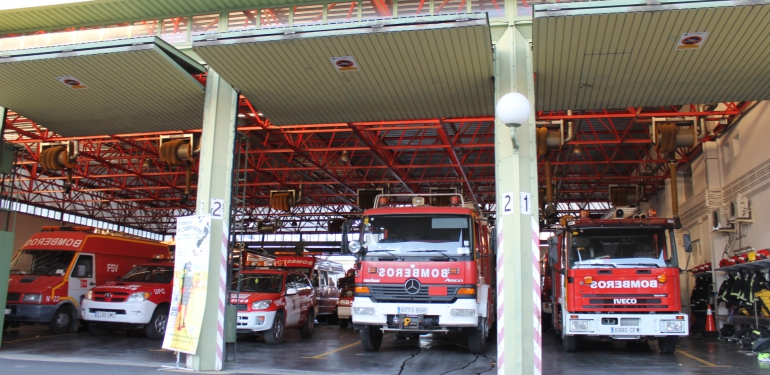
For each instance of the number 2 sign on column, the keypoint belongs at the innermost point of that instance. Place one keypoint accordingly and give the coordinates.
(525, 203)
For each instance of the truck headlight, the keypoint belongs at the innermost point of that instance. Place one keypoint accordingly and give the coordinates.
(580, 325)
(139, 296)
(261, 305)
(671, 326)
(89, 295)
(343, 302)
(363, 310)
(34, 298)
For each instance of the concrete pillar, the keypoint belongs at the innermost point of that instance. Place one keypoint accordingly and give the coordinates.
(518, 290)
(214, 190)
(6, 237)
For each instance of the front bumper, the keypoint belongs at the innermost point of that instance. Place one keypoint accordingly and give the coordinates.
(30, 313)
(627, 326)
(255, 321)
(343, 312)
(125, 312)
(461, 313)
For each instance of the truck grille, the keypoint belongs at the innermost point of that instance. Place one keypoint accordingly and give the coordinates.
(114, 296)
(13, 296)
(397, 293)
(629, 322)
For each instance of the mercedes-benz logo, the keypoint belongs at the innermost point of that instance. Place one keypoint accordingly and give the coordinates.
(107, 295)
(412, 286)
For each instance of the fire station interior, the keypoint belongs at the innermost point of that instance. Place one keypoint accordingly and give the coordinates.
(593, 113)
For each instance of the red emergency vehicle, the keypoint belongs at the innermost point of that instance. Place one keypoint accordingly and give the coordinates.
(347, 286)
(54, 269)
(616, 279)
(422, 269)
(138, 300)
(269, 301)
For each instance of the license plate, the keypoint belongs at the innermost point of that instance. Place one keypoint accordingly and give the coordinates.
(625, 330)
(7, 311)
(412, 310)
(105, 314)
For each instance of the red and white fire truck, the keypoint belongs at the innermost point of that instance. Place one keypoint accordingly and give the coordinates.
(54, 269)
(270, 300)
(616, 279)
(422, 269)
(139, 299)
(323, 276)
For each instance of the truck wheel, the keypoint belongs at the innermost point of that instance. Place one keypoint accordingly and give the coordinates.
(274, 336)
(61, 320)
(156, 328)
(332, 319)
(344, 323)
(569, 343)
(371, 338)
(667, 344)
(307, 328)
(477, 342)
(98, 329)
(400, 336)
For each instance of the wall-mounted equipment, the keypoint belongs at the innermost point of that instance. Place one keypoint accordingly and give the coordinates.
(670, 133)
(624, 195)
(268, 226)
(739, 209)
(720, 222)
(441, 200)
(57, 156)
(365, 197)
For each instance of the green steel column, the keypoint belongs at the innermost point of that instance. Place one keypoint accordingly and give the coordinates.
(6, 251)
(518, 293)
(214, 185)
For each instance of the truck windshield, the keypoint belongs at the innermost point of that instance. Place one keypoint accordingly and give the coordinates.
(259, 283)
(622, 247)
(412, 235)
(42, 262)
(150, 274)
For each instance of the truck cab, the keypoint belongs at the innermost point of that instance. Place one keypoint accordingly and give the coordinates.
(617, 279)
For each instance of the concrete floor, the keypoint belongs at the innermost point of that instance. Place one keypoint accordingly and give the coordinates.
(33, 350)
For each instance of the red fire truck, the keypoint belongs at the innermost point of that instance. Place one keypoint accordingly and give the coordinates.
(323, 275)
(616, 279)
(138, 300)
(422, 269)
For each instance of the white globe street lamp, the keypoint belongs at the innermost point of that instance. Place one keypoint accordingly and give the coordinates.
(513, 109)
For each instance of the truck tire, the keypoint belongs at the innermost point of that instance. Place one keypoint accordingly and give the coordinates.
(98, 329)
(307, 328)
(344, 323)
(156, 328)
(569, 343)
(371, 338)
(274, 335)
(667, 344)
(477, 342)
(61, 320)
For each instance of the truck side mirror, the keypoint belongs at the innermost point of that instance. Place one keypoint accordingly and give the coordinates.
(344, 245)
(687, 243)
(291, 291)
(81, 271)
(553, 249)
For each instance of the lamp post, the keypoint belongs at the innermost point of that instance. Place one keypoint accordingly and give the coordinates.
(513, 109)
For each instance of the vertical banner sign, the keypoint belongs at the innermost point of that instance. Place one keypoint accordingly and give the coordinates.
(191, 269)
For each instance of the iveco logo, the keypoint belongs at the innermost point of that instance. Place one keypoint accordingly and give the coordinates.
(412, 286)
(107, 295)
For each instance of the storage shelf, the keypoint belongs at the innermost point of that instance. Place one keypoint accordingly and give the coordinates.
(750, 266)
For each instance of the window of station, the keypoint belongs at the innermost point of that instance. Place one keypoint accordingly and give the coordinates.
(376, 10)
(495, 8)
(175, 30)
(274, 17)
(205, 24)
(242, 20)
(450, 7)
(308, 15)
(144, 28)
(409, 8)
(342, 12)
(117, 31)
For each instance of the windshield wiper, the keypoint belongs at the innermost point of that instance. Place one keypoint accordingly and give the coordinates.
(597, 264)
(643, 264)
(390, 252)
(440, 252)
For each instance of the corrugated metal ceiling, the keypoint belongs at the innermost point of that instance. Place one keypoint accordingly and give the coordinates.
(617, 54)
(408, 69)
(105, 11)
(137, 85)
